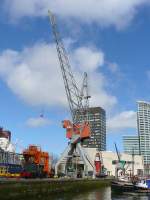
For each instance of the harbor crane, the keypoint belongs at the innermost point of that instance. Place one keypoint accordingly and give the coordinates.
(123, 165)
(78, 129)
(120, 164)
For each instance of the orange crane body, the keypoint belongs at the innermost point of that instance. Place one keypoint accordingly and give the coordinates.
(38, 157)
(83, 130)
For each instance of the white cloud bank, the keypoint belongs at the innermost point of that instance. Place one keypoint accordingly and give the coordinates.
(34, 74)
(38, 122)
(104, 12)
(122, 121)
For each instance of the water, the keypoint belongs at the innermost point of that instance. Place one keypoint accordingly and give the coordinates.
(98, 194)
(101, 194)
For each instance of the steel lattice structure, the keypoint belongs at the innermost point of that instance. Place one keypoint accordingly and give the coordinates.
(78, 100)
(74, 95)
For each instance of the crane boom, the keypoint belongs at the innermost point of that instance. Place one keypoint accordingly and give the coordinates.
(79, 128)
(72, 91)
(85, 98)
(118, 154)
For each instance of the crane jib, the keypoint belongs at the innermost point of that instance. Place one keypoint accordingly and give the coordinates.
(74, 95)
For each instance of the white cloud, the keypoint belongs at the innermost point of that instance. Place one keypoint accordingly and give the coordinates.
(122, 121)
(95, 59)
(34, 75)
(38, 122)
(103, 12)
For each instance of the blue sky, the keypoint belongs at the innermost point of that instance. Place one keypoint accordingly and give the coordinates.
(110, 41)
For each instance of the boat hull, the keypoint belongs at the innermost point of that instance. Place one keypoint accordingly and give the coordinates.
(119, 187)
(141, 190)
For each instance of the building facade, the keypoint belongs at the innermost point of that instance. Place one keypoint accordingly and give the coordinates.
(97, 119)
(144, 132)
(108, 157)
(131, 144)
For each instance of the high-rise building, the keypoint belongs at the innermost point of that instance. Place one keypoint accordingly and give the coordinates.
(144, 132)
(97, 119)
(131, 144)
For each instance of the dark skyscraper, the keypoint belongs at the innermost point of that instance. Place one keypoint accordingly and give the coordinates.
(97, 119)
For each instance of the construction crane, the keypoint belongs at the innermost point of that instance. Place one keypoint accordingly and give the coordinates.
(120, 164)
(78, 100)
(118, 153)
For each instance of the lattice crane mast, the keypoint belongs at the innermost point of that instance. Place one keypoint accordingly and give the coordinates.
(78, 100)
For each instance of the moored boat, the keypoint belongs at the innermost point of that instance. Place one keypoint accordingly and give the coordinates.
(142, 186)
(122, 186)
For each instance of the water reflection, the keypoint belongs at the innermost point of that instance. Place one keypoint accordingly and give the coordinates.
(101, 194)
(105, 194)
(131, 197)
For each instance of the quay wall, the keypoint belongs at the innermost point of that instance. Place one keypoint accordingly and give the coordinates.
(22, 189)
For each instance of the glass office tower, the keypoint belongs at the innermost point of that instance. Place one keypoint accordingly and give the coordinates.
(131, 144)
(143, 119)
